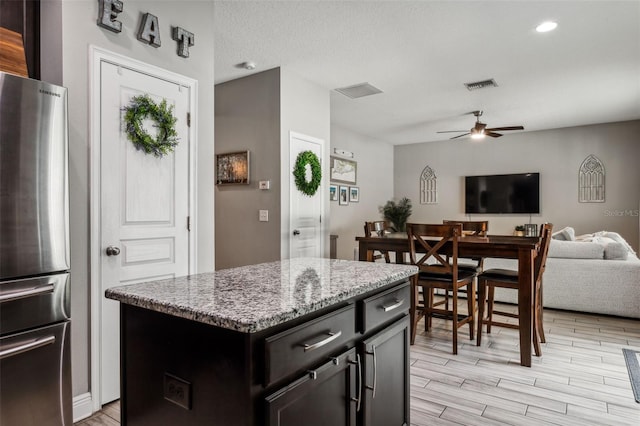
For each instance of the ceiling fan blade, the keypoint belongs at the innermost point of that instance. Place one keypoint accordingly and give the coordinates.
(493, 134)
(459, 136)
(506, 128)
(453, 131)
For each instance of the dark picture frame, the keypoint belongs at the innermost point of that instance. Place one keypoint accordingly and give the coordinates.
(233, 168)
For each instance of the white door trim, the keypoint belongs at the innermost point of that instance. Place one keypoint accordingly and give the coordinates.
(292, 187)
(98, 55)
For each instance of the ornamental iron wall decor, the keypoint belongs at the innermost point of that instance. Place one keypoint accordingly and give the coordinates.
(591, 180)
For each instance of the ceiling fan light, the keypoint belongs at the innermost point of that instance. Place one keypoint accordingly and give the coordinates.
(546, 26)
(477, 134)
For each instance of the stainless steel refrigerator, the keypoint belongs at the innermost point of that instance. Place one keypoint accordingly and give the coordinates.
(35, 361)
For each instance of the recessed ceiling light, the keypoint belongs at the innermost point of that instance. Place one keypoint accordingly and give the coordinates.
(546, 26)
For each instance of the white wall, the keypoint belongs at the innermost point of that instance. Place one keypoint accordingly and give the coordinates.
(374, 178)
(305, 109)
(556, 154)
(77, 22)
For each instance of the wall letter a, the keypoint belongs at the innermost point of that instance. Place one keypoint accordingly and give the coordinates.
(149, 31)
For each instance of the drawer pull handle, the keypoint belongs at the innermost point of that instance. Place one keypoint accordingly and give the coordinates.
(358, 399)
(331, 338)
(397, 304)
(35, 291)
(375, 372)
(35, 344)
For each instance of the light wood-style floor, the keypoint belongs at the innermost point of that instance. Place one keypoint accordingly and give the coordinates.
(581, 378)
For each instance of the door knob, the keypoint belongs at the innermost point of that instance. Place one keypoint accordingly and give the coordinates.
(112, 251)
(296, 232)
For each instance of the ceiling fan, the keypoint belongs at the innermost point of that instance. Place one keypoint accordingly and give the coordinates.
(480, 130)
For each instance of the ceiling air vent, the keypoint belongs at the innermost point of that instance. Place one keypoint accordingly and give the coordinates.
(481, 84)
(359, 90)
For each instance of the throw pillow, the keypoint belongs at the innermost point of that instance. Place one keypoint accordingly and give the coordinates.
(613, 250)
(566, 234)
(617, 238)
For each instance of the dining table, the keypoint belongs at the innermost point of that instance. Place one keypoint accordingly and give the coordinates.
(524, 249)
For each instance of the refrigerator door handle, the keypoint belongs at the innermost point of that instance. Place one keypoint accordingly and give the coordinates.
(37, 343)
(35, 291)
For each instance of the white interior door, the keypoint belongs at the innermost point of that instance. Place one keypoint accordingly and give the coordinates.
(144, 204)
(305, 239)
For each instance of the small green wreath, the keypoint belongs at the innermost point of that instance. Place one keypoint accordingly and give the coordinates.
(300, 173)
(142, 107)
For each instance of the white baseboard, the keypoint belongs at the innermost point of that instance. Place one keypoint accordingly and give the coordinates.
(82, 406)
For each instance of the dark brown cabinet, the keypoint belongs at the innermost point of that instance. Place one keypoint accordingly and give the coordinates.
(326, 395)
(23, 17)
(347, 364)
(386, 385)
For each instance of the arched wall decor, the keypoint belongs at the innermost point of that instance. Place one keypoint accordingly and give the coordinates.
(591, 180)
(428, 186)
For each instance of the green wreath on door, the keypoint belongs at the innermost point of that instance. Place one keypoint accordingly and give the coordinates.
(307, 187)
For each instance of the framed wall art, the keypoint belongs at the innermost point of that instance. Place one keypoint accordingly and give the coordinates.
(232, 168)
(333, 193)
(343, 196)
(354, 194)
(343, 170)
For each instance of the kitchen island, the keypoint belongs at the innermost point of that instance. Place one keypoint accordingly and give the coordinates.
(301, 341)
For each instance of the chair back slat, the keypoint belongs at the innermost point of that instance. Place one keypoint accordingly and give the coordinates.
(430, 238)
(541, 258)
(478, 228)
(370, 227)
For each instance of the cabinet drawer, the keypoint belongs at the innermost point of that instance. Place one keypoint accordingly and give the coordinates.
(301, 346)
(326, 395)
(383, 307)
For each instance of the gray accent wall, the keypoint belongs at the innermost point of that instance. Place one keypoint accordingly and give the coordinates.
(70, 30)
(374, 178)
(257, 113)
(248, 118)
(555, 154)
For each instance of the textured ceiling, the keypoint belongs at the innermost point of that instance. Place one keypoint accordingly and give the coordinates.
(419, 53)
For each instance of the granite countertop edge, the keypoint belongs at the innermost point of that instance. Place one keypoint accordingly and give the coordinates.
(249, 326)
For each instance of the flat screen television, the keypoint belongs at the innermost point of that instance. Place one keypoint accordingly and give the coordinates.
(514, 193)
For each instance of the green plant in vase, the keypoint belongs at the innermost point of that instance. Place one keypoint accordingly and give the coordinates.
(397, 213)
(519, 231)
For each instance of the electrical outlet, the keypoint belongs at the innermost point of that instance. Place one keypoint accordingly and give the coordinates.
(177, 391)
(263, 216)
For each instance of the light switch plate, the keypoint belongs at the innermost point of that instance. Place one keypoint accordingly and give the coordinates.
(264, 184)
(263, 216)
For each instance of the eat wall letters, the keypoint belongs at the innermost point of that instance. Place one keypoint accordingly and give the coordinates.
(148, 31)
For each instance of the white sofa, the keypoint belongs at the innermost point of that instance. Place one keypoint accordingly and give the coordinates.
(597, 273)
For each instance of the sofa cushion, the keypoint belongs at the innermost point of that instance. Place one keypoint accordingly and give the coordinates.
(575, 249)
(565, 234)
(613, 249)
(617, 238)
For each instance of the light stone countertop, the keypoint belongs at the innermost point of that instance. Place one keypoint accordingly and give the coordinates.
(253, 298)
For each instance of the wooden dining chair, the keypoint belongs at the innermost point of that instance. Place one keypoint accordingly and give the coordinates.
(437, 272)
(371, 229)
(506, 278)
(475, 228)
